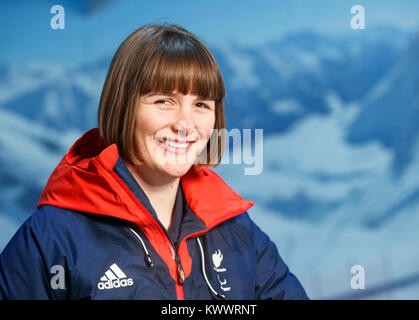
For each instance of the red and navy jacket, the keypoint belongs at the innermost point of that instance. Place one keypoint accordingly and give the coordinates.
(95, 235)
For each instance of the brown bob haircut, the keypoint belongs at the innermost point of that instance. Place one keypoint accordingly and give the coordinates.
(159, 58)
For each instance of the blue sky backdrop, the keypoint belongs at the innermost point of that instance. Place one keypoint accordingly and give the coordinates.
(27, 36)
(339, 109)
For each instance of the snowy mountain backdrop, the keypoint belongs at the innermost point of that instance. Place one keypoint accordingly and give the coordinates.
(340, 179)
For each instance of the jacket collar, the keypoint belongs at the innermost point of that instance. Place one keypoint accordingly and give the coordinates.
(84, 180)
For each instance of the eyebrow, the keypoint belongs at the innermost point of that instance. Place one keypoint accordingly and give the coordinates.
(174, 95)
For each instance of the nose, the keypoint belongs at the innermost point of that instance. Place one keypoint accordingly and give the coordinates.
(184, 124)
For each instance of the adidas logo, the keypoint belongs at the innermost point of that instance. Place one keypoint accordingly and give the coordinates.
(114, 278)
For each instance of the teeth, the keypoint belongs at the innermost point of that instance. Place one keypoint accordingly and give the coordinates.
(175, 144)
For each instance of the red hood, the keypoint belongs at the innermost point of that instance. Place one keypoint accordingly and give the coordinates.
(85, 181)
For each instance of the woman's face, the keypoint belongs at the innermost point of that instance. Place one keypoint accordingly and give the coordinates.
(171, 130)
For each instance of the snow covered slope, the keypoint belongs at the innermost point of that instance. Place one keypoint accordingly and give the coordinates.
(28, 155)
(339, 184)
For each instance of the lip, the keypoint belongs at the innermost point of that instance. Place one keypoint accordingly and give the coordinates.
(175, 150)
(176, 140)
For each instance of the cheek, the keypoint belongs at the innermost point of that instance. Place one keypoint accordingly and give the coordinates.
(146, 125)
(206, 125)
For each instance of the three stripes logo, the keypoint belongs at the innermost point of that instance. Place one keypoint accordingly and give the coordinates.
(114, 278)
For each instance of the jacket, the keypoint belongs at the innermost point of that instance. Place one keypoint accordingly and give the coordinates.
(94, 235)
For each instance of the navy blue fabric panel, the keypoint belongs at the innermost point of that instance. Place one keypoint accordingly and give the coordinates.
(240, 261)
(126, 176)
(178, 214)
(23, 272)
(85, 246)
(273, 278)
(190, 223)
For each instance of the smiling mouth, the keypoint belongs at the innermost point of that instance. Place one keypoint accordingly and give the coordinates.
(172, 144)
(175, 144)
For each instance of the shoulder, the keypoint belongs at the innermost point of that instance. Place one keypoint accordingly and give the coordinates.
(48, 220)
(242, 228)
(51, 225)
(55, 234)
(49, 216)
(245, 220)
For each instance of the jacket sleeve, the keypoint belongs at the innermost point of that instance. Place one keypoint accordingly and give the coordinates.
(23, 272)
(273, 278)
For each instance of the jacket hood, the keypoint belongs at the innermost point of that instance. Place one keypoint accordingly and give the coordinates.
(84, 180)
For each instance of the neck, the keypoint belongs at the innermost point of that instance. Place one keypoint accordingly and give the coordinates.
(160, 192)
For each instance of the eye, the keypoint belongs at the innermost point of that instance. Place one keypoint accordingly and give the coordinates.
(203, 105)
(162, 101)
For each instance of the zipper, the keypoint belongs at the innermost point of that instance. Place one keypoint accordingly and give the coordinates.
(148, 258)
(176, 258)
(180, 273)
(179, 270)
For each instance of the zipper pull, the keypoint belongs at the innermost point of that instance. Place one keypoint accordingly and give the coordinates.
(149, 260)
(180, 272)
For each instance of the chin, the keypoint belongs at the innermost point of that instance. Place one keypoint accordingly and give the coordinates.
(173, 165)
(176, 171)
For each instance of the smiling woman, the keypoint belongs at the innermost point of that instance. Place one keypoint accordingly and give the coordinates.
(130, 212)
(172, 124)
(162, 60)
(162, 127)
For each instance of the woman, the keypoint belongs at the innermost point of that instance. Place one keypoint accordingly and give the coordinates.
(133, 210)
